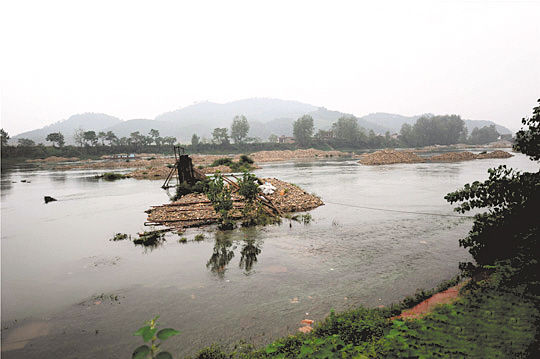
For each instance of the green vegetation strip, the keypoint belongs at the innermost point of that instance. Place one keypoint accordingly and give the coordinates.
(487, 322)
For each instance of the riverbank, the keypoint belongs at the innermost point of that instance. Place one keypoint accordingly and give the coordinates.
(487, 320)
(157, 167)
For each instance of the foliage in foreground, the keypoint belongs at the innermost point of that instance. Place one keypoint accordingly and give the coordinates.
(154, 339)
(509, 231)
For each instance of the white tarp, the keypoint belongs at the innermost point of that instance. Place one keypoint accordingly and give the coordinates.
(267, 188)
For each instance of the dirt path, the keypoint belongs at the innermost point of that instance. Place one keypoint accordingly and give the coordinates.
(423, 308)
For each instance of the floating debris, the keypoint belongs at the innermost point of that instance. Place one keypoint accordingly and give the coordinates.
(119, 237)
(49, 199)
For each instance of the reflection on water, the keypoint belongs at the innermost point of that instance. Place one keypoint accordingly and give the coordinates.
(249, 254)
(225, 245)
(222, 254)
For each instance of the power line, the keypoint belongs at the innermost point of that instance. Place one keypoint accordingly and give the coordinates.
(399, 211)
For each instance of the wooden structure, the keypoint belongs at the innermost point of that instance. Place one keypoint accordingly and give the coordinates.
(182, 170)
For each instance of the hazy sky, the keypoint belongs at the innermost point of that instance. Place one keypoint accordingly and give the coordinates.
(137, 59)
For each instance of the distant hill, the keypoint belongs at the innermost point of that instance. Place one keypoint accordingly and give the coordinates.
(86, 121)
(471, 124)
(221, 115)
(390, 120)
(266, 116)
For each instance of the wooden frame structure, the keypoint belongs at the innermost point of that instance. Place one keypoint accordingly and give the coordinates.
(182, 170)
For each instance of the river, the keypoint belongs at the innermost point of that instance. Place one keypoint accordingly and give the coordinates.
(70, 292)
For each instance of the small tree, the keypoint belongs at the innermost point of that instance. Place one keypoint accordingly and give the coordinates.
(154, 134)
(483, 135)
(4, 137)
(220, 196)
(90, 137)
(303, 130)
(78, 136)
(102, 136)
(135, 138)
(509, 230)
(273, 138)
(169, 140)
(220, 136)
(26, 142)
(239, 129)
(528, 138)
(111, 137)
(195, 140)
(249, 189)
(346, 129)
(56, 137)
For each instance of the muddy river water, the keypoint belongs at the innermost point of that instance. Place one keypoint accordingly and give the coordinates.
(69, 292)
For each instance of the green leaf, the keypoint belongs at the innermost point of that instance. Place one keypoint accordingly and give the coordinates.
(164, 355)
(148, 334)
(141, 330)
(271, 349)
(141, 352)
(166, 333)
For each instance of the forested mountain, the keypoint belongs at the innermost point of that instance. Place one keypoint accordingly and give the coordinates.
(265, 116)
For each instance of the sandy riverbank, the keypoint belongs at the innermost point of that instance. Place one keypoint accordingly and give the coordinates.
(386, 157)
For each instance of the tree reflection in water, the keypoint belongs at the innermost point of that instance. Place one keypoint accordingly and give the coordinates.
(225, 246)
(249, 254)
(222, 255)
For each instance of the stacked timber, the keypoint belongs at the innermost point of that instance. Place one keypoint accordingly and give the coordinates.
(195, 209)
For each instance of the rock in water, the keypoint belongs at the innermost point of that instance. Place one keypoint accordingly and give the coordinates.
(49, 199)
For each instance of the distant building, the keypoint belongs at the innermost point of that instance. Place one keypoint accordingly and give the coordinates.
(285, 139)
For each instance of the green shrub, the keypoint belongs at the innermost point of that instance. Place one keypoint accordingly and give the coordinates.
(185, 188)
(199, 237)
(150, 239)
(244, 164)
(222, 162)
(220, 196)
(246, 159)
(354, 326)
(212, 352)
(112, 176)
(249, 187)
(119, 237)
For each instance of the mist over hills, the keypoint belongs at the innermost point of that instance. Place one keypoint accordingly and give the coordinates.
(89, 120)
(265, 116)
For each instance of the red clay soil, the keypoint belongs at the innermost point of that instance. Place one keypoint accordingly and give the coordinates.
(423, 308)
